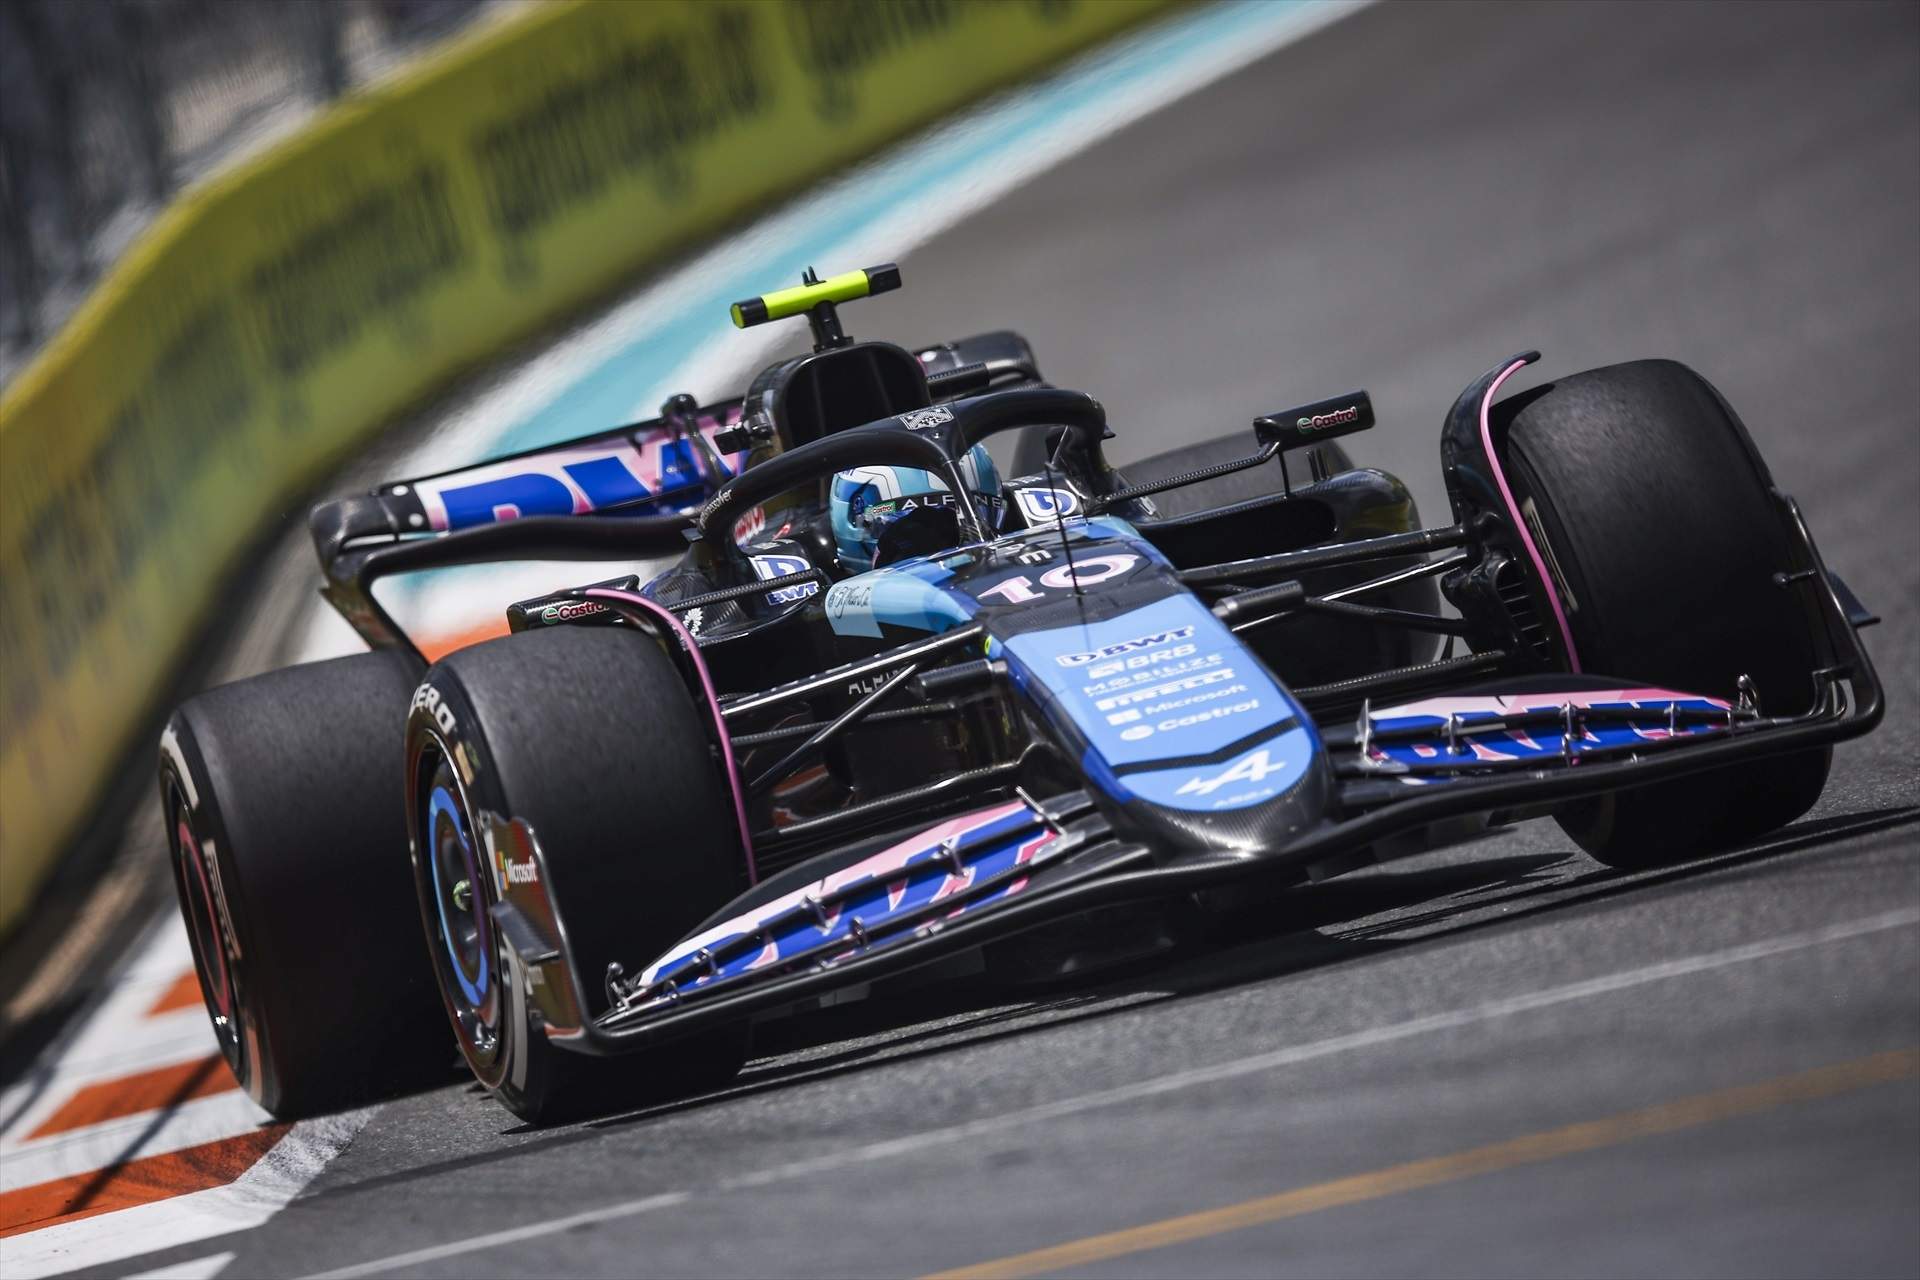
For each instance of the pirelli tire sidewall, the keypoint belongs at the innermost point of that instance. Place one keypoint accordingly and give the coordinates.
(443, 723)
(588, 735)
(287, 783)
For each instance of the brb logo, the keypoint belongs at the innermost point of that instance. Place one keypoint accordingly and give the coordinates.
(1124, 647)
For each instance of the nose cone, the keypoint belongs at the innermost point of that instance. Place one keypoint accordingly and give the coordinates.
(1181, 728)
(1253, 801)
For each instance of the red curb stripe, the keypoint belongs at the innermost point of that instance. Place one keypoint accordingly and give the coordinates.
(183, 994)
(434, 648)
(164, 1087)
(138, 1182)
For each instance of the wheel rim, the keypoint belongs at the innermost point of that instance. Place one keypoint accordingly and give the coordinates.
(206, 926)
(464, 944)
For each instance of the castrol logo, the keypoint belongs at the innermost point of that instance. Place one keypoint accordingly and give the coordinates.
(1338, 418)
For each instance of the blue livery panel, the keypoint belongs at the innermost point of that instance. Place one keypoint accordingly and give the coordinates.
(1169, 682)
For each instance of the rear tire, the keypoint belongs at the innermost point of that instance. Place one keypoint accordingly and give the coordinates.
(1655, 506)
(286, 826)
(590, 736)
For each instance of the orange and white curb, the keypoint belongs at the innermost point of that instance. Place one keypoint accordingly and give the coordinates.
(132, 1136)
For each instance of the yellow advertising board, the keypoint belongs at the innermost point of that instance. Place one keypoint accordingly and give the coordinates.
(274, 317)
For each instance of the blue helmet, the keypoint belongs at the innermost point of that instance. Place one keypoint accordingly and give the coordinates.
(867, 499)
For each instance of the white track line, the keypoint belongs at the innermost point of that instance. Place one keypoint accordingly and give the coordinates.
(196, 1269)
(1026, 1117)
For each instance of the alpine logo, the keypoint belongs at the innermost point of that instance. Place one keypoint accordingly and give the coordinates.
(1253, 768)
(1125, 646)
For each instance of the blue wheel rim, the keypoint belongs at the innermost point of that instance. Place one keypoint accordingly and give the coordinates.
(443, 806)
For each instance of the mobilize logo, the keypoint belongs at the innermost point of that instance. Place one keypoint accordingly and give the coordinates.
(1124, 646)
(427, 698)
(1253, 768)
(1338, 418)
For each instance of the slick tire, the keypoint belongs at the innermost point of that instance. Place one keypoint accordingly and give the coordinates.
(287, 834)
(1655, 506)
(590, 736)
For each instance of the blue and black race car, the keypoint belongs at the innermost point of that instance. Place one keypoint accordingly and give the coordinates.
(885, 708)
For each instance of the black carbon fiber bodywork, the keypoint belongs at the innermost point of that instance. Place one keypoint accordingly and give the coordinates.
(861, 709)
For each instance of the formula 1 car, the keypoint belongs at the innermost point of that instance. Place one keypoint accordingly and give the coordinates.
(883, 710)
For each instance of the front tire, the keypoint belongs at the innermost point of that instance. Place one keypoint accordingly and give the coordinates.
(589, 736)
(1655, 509)
(286, 826)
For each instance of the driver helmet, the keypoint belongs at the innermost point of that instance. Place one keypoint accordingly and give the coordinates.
(865, 500)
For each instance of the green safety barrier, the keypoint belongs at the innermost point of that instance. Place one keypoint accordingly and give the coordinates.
(276, 316)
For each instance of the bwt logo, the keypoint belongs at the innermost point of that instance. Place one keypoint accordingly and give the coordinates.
(1338, 418)
(1125, 646)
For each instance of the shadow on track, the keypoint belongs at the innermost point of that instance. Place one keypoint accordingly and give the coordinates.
(1242, 950)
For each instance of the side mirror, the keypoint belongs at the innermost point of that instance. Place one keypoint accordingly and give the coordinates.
(1312, 423)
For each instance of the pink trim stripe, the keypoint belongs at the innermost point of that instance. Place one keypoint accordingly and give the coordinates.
(873, 866)
(692, 647)
(1535, 701)
(1526, 537)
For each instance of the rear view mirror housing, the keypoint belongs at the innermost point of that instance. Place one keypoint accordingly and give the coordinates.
(1310, 424)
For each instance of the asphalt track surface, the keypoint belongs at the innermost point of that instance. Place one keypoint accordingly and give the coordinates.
(1501, 1059)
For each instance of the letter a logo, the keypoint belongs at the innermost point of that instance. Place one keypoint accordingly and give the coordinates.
(1253, 768)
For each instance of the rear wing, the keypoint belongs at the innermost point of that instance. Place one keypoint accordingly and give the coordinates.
(626, 491)
(658, 467)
